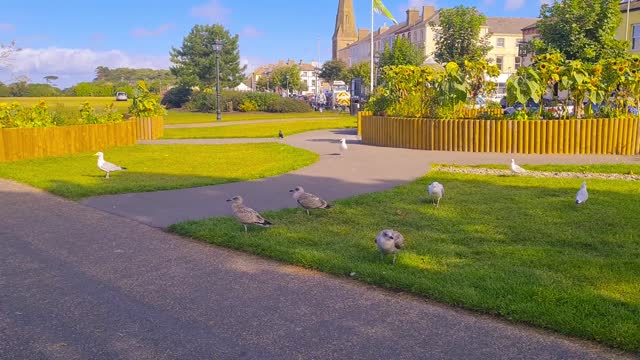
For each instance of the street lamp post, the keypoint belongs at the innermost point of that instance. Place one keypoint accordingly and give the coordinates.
(217, 47)
(287, 76)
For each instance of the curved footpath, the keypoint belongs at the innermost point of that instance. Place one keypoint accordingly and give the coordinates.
(80, 283)
(361, 169)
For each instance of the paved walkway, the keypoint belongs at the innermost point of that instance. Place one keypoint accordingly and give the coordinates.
(78, 283)
(245, 122)
(361, 169)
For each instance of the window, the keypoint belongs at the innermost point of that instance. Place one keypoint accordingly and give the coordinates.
(635, 37)
(500, 42)
(499, 61)
(518, 62)
(502, 88)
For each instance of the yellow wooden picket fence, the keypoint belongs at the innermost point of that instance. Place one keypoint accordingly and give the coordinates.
(18, 143)
(571, 136)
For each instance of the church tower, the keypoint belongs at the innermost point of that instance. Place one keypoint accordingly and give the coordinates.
(345, 32)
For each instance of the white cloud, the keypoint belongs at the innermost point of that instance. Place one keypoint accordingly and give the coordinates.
(142, 32)
(73, 65)
(213, 11)
(251, 32)
(514, 4)
(7, 27)
(545, 2)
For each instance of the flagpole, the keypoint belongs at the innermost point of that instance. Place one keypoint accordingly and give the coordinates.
(371, 68)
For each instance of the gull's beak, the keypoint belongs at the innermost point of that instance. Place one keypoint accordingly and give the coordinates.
(229, 200)
(291, 190)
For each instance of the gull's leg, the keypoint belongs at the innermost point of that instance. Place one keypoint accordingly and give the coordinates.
(308, 212)
(394, 258)
(438, 203)
(107, 176)
(245, 227)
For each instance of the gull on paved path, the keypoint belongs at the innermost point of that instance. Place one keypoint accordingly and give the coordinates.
(389, 242)
(343, 145)
(107, 167)
(436, 192)
(515, 168)
(582, 195)
(246, 215)
(308, 200)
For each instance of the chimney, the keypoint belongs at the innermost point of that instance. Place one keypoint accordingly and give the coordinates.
(427, 12)
(383, 28)
(413, 15)
(362, 33)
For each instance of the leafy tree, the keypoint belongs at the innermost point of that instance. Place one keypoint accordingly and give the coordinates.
(333, 70)
(361, 70)
(403, 52)
(19, 89)
(195, 60)
(476, 74)
(50, 78)
(5, 53)
(458, 36)
(580, 29)
(286, 77)
(4, 90)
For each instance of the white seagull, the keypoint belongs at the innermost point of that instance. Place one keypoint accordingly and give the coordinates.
(436, 192)
(308, 200)
(107, 167)
(515, 168)
(389, 242)
(343, 145)
(582, 195)
(246, 215)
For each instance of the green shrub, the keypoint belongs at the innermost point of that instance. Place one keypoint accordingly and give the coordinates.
(93, 89)
(202, 101)
(17, 116)
(286, 105)
(234, 97)
(176, 97)
(247, 106)
(262, 99)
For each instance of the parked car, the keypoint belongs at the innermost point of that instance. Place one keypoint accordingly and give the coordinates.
(121, 96)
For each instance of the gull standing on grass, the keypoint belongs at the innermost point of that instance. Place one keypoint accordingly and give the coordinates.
(582, 195)
(515, 168)
(107, 167)
(280, 134)
(343, 145)
(308, 200)
(389, 242)
(246, 215)
(436, 192)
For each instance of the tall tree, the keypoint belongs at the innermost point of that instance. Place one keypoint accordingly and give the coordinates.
(333, 70)
(286, 77)
(50, 78)
(403, 52)
(458, 36)
(361, 70)
(5, 53)
(581, 29)
(195, 60)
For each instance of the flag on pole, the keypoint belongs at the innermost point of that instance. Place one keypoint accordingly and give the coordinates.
(379, 7)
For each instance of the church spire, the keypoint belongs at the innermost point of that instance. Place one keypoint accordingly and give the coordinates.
(345, 32)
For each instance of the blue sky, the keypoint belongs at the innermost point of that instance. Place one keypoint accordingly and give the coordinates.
(70, 38)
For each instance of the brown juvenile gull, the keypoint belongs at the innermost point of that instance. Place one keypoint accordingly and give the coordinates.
(308, 200)
(246, 215)
(389, 242)
(107, 167)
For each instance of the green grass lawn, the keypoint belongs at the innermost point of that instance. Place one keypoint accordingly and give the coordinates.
(595, 168)
(259, 130)
(186, 117)
(70, 101)
(517, 247)
(157, 167)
